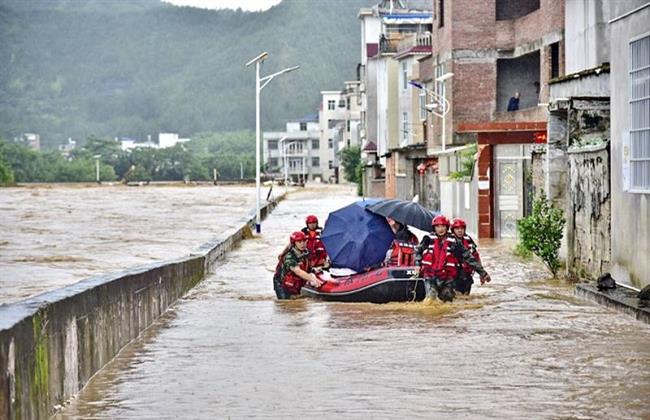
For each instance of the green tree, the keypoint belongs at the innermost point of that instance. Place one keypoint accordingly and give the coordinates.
(350, 159)
(6, 174)
(541, 232)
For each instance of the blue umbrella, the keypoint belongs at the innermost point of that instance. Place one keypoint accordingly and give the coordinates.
(356, 238)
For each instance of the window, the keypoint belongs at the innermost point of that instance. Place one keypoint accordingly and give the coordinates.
(404, 76)
(405, 128)
(639, 86)
(303, 126)
(315, 144)
(555, 60)
(331, 105)
(348, 103)
(330, 143)
(422, 105)
(273, 162)
(348, 126)
(315, 162)
(441, 13)
(273, 145)
(348, 142)
(330, 164)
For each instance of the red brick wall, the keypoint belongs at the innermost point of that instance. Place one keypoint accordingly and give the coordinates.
(474, 92)
(548, 18)
(473, 24)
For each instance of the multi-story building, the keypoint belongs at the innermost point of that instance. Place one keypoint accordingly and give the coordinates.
(629, 31)
(339, 120)
(500, 49)
(383, 27)
(410, 152)
(577, 149)
(297, 152)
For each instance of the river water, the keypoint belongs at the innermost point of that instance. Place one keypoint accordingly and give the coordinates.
(52, 235)
(521, 347)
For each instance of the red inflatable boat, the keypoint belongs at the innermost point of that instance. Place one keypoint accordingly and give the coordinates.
(386, 284)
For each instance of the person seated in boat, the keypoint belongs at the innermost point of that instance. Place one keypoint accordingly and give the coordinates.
(317, 254)
(293, 271)
(438, 260)
(468, 257)
(402, 250)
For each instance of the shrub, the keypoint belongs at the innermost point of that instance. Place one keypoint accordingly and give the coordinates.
(541, 232)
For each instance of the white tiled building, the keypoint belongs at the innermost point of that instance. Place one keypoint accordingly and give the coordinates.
(297, 150)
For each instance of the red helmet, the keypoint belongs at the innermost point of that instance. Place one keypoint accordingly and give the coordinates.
(297, 236)
(311, 219)
(458, 223)
(440, 220)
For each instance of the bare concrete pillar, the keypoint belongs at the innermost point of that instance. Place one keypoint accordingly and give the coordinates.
(556, 167)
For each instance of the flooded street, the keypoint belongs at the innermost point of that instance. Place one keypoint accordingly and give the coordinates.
(57, 234)
(521, 347)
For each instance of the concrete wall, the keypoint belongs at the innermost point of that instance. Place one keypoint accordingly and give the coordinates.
(586, 34)
(630, 210)
(53, 343)
(588, 213)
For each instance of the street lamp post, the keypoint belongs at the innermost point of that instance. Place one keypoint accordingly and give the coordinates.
(97, 157)
(439, 106)
(260, 83)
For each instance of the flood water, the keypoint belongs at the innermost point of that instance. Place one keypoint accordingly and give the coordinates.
(521, 347)
(52, 235)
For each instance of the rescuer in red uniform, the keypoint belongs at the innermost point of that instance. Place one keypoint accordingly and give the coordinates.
(468, 257)
(439, 262)
(317, 253)
(292, 271)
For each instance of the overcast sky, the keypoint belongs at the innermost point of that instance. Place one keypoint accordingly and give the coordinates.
(250, 5)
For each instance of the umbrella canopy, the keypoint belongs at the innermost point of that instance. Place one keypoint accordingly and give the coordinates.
(356, 238)
(405, 212)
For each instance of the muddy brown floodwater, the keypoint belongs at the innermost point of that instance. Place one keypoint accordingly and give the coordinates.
(52, 235)
(521, 347)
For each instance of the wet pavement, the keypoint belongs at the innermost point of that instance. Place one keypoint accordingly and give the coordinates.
(57, 234)
(520, 347)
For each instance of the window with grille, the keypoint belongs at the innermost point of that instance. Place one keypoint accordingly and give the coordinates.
(331, 105)
(639, 85)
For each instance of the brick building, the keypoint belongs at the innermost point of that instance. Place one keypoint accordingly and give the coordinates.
(494, 48)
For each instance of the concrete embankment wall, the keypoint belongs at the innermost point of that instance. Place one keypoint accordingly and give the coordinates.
(53, 343)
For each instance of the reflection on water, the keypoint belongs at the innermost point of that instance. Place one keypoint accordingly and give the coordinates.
(519, 347)
(54, 235)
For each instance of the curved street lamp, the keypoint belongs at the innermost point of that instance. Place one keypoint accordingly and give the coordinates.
(260, 83)
(439, 105)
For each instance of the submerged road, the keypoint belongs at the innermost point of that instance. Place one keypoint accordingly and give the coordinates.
(521, 347)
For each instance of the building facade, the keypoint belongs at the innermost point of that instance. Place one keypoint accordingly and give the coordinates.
(629, 30)
(296, 153)
(499, 50)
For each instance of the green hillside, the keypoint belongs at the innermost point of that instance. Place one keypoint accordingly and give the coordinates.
(75, 68)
